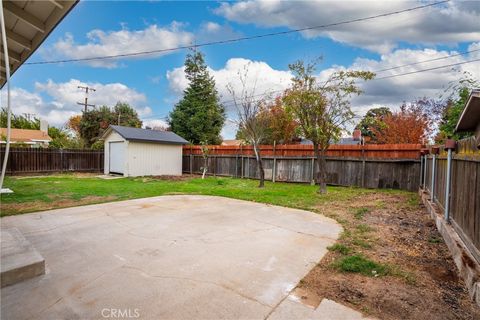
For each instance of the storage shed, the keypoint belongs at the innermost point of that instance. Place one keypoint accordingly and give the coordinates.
(136, 152)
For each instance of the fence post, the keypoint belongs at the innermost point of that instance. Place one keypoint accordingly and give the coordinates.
(191, 160)
(432, 189)
(363, 166)
(241, 163)
(236, 165)
(191, 163)
(449, 145)
(421, 169)
(274, 169)
(312, 182)
(61, 160)
(214, 165)
(425, 173)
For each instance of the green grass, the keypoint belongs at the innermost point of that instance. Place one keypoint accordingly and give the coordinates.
(49, 192)
(360, 264)
(435, 239)
(339, 247)
(360, 212)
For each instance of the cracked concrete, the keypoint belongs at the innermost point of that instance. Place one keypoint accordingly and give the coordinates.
(170, 257)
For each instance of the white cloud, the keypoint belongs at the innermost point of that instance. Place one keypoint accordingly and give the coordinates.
(267, 79)
(391, 92)
(56, 102)
(155, 123)
(450, 23)
(212, 31)
(107, 43)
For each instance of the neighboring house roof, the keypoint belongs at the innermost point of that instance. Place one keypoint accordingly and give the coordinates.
(342, 141)
(232, 142)
(25, 135)
(146, 135)
(347, 141)
(470, 117)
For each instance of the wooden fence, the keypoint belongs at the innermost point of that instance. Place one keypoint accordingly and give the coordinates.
(32, 160)
(464, 195)
(376, 151)
(375, 166)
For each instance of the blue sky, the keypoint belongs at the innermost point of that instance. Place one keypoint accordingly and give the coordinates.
(154, 83)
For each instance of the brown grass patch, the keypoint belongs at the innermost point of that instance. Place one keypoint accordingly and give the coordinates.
(423, 281)
(59, 202)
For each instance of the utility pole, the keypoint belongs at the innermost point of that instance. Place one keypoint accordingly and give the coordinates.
(85, 104)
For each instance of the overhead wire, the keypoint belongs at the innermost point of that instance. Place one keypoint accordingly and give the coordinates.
(238, 39)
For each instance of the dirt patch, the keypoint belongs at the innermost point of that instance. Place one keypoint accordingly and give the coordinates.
(56, 175)
(397, 232)
(59, 202)
(184, 177)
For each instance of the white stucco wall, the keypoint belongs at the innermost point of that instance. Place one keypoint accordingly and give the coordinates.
(153, 159)
(113, 136)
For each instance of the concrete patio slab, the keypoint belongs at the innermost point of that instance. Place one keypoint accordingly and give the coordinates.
(169, 257)
(19, 260)
(292, 308)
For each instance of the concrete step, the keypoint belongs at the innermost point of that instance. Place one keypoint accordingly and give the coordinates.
(19, 260)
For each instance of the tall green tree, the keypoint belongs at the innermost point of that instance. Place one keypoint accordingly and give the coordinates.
(450, 116)
(198, 116)
(126, 115)
(95, 121)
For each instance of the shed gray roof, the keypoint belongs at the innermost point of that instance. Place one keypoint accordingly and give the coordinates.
(147, 135)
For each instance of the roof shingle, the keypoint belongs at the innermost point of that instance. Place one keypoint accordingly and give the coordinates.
(148, 135)
(25, 135)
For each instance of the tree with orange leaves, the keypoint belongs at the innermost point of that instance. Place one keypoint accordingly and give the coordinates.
(73, 123)
(409, 125)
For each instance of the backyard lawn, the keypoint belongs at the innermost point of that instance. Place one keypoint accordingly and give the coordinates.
(390, 261)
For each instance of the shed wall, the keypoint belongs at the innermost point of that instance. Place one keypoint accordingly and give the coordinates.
(153, 159)
(113, 136)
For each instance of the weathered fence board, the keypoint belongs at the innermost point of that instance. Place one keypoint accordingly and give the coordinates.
(370, 173)
(465, 190)
(31, 160)
(385, 151)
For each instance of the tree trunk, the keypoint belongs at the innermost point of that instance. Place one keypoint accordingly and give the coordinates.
(205, 167)
(321, 176)
(261, 171)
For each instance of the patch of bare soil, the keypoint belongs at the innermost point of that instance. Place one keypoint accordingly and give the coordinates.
(184, 177)
(56, 174)
(58, 202)
(401, 235)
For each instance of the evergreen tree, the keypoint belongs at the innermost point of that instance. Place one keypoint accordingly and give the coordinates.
(451, 115)
(198, 117)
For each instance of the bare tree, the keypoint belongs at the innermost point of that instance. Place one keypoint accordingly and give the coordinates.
(322, 110)
(250, 117)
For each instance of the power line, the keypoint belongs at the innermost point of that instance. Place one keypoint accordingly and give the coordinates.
(429, 69)
(386, 77)
(258, 36)
(230, 103)
(428, 60)
(382, 70)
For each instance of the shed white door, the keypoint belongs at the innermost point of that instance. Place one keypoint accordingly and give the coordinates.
(117, 157)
